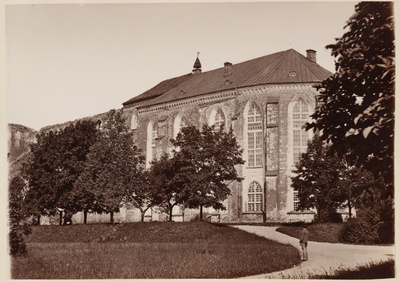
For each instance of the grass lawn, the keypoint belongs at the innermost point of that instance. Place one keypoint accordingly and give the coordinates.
(382, 270)
(149, 250)
(318, 232)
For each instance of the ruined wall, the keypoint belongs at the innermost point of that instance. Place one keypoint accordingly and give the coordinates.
(19, 139)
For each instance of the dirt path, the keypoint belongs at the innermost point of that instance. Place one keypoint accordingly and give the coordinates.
(323, 258)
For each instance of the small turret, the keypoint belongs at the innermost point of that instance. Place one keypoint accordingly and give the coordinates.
(197, 65)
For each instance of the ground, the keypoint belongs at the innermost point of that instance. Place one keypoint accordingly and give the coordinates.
(324, 258)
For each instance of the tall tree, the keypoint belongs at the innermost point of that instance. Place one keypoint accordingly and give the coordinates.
(55, 163)
(356, 103)
(317, 180)
(112, 164)
(207, 159)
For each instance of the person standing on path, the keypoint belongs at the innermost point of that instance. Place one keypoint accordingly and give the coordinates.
(303, 243)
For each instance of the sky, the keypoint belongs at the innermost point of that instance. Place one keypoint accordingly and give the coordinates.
(68, 61)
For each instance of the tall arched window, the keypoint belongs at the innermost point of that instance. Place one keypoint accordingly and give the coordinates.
(300, 116)
(153, 141)
(219, 119)
(255, 197)
(254, 136)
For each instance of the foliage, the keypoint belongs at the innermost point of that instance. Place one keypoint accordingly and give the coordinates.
(56, 162)
(140, 193)
(111, 169)
(356, 104)
(317, 180)
(168, 186)
(369, 227)
(207, 159)
(18, 225)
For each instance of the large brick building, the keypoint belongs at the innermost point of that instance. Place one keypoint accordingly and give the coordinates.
(266, 101)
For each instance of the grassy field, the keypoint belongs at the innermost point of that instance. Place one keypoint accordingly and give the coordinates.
(318, 232)
(382, 270)
(149, 250)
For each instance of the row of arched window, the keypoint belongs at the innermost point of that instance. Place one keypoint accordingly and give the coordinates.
(255, 132)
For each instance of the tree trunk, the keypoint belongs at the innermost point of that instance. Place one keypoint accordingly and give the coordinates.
(85, 216)
(201, 212)
(170, 212)
(142, 212)
(349, 205)
(61, 217)
(112, 217)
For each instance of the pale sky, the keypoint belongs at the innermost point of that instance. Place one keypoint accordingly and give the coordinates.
(68, 61)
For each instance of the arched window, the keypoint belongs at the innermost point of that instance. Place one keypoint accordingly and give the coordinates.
(184, 122)
(151, 142)
(254, 136)
(300, 116)
(179, 122)
(219, 119)
(255, 197)
(134, 122)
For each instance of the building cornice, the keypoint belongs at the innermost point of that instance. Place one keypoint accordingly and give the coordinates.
(218, 97)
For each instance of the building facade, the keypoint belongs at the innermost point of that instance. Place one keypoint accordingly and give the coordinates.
(266, 101)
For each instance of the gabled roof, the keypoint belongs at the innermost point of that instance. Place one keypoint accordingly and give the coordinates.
(278, 68)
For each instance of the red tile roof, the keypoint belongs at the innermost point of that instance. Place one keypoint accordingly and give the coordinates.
(278, 68)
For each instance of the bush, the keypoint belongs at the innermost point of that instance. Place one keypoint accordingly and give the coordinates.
(358, 231)
(19, 227)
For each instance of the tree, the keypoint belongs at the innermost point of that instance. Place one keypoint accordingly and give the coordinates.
(55, 163)
(140, 193)
(112, 163)
(206, 160)
(18, 214)
(356, 104)
(168, 186)
(317, 180)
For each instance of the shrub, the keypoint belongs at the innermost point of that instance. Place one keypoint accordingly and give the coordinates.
(363, 229)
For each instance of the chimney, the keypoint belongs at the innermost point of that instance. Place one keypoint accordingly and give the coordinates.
(227, 69)
(312, 55)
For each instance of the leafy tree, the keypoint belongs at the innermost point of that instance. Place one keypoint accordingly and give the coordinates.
(18, 214)
(55, 163)
(140, 193)
(356, 104)
(168, 186)
(112, 163)
(317, 180)
(206, 160)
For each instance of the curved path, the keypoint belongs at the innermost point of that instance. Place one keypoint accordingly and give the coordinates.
(323, 258)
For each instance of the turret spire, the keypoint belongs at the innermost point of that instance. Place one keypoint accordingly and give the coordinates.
(197, 65)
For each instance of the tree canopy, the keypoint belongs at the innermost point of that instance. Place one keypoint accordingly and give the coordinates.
(327, 182)
(112, 167)
(207, 159)
(356, 104)
(55, 163)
